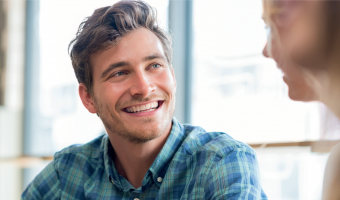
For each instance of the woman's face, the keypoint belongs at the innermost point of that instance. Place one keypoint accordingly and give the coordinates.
(296, 77)
(300, 25)
(292, 42)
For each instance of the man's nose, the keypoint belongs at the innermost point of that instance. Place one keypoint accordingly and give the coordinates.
(142, 85)
(265, 51)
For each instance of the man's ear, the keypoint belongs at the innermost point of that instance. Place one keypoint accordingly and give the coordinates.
(86, 98)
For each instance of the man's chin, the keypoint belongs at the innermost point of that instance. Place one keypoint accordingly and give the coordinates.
(141, 139)
(144, 130)
(141, 135)
(140, 122)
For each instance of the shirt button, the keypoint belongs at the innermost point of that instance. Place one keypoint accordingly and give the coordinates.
(159, 179)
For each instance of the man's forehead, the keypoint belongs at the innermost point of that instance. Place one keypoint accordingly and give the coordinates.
(138, 43)
(141, 40)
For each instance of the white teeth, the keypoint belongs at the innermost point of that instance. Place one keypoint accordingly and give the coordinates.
(149, 106)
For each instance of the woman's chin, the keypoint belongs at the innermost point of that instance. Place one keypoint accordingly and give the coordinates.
(299, 90)
(301, 95)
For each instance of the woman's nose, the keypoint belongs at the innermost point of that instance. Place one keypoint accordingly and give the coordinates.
(265, 51)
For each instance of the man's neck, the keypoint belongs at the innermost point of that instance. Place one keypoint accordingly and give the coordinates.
(134, 160)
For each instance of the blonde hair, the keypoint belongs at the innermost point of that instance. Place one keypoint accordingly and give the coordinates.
(331, 40)
(270, 9)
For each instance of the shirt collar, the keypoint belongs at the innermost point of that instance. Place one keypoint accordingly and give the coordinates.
(109, 164)
(164, 158)
(159, 166)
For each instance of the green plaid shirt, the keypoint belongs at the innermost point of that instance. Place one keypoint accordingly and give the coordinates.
(193, 164)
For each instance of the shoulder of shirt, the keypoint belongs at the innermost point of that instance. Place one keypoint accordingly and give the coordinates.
(89, 151)
(219, 142)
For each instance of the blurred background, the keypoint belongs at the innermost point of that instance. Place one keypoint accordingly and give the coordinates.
(224, 84)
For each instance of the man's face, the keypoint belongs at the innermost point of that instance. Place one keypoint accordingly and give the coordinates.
(134, 87)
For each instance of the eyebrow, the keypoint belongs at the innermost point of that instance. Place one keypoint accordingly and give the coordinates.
(153, 56)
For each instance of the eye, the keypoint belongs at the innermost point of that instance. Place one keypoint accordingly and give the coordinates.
(119, 73)
(156, 65)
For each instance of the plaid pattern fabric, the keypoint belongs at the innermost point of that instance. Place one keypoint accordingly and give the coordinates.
(193, 164)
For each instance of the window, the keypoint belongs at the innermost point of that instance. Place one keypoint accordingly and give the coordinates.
(236, 90)
(66, 119)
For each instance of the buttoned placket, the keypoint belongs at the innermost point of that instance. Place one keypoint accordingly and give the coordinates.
(159, 179)
(111, 180)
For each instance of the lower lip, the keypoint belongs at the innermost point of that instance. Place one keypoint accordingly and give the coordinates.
(145, 114)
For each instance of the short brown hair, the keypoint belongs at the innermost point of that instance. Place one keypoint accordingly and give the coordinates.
(105, 27)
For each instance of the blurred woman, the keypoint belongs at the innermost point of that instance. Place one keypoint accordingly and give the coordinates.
(304, 40)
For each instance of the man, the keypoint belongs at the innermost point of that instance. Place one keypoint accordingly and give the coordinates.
(122, 61)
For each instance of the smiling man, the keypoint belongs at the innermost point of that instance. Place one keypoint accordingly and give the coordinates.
(122, 60)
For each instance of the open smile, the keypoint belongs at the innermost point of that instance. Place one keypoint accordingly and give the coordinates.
(148, 107)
